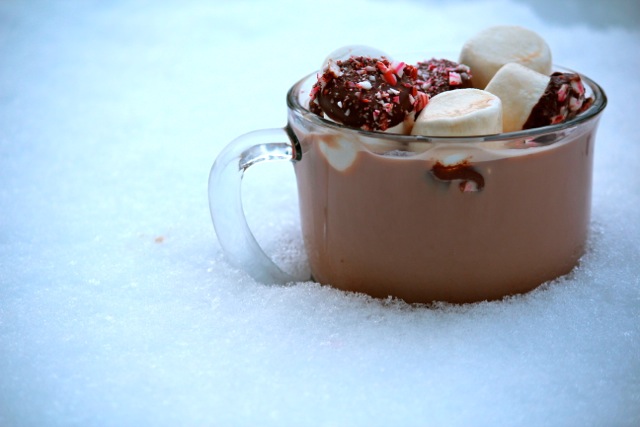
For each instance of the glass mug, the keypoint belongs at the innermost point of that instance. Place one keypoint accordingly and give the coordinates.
(456, 219)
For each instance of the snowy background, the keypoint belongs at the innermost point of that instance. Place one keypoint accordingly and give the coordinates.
(117, 307)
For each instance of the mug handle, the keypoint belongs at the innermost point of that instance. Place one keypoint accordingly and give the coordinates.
(225, 199)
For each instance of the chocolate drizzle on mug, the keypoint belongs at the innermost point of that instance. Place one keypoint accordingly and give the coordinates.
(470, 179)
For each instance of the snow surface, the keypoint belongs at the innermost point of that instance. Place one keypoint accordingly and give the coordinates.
(117, 307)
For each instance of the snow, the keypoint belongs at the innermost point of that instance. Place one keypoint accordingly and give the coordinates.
(118, 308)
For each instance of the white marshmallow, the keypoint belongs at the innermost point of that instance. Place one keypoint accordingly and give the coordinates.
(460, 112)
(490, 49)
(519, 88)
(346, 52)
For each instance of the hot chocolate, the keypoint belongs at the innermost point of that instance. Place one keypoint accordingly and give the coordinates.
(423, 182)
(494, 223)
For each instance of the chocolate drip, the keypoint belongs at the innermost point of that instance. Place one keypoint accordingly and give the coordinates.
(471, 180)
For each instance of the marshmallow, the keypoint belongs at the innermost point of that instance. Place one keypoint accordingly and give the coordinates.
(490, 49)
(461, 112)
(346, 52)
(519, 88)
(531, 100)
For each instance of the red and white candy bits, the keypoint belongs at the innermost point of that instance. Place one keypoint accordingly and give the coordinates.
(361, 88)
(368, 93)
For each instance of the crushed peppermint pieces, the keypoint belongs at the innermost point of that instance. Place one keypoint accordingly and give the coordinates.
(368, 93)
(562, 100)
(376, 94)
(440, 75)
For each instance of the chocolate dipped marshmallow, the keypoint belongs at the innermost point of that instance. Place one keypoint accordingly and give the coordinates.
(531, 99)
(368, 93)
(440, 75)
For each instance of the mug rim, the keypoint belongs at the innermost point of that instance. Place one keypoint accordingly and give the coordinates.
(594, 110)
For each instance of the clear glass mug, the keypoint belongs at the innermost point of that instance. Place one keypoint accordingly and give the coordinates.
(419, 218)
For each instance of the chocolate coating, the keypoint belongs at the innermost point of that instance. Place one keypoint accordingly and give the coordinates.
(367, 93)
(562, 100)
(460, 171)
(440, 75)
